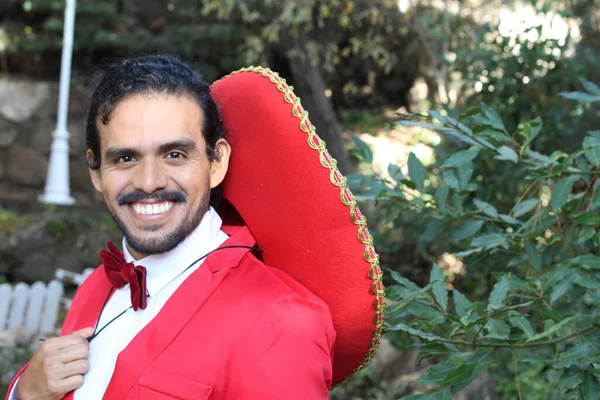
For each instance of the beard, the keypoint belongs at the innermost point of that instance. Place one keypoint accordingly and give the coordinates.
(164, 243)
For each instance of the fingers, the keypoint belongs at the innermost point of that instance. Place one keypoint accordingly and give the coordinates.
(73, 352)
(62, 342)
(72, 383)
(59, 388)
(85, 332)
(77, 367)
(57, 367)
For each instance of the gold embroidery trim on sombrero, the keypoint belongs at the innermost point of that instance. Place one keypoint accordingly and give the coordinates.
(316, 143)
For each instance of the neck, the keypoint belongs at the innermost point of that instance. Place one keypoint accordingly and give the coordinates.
(135, 254)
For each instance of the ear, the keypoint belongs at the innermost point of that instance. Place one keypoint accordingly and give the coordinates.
(94, 173)
(218, 168)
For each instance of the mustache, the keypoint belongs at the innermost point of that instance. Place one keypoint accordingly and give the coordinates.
(161, 195)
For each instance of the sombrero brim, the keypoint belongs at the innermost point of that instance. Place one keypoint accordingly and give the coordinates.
(290, 194)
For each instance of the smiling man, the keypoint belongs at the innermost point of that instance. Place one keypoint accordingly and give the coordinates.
(187, 310)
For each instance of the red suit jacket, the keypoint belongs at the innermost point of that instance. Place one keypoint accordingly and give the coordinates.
(236, 329)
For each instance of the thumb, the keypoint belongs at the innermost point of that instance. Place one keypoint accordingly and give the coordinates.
(85, 332)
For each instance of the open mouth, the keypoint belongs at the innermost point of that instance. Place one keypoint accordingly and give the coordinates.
(151, 209)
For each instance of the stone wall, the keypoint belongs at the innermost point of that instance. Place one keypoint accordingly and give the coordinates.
(28, 112)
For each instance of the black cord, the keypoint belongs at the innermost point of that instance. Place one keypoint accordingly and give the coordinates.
(148, 295)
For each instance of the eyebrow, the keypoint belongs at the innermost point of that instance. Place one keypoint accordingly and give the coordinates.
(118, 152)
(183, 144)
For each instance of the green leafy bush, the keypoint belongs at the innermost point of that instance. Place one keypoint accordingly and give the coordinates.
(532, 313)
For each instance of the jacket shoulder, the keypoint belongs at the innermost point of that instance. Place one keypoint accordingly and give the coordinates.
(272, 284)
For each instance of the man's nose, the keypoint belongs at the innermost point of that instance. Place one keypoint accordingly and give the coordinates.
(150, 176)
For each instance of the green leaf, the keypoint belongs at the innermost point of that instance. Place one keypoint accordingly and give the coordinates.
(591, 87)
(481, 128)
(561, 192)
(486, 208)
(468, 252)
(465, 173)
(586, 279)
(594, 296)
(403, 281)
(497, 329)
(441, 195)
(458, 387)
(524, 207)
(410, 299)
(531, 129)
(488, 241)
(554, 329)
(493, 117)
(591, 144)
(470, 113)
(438, 284)
(561, 288)
(509, 220)
(587, 261)
(391, 216)
(446, 374)
(534, 256)
(460, 303)
(415, 332)
(586, 234)
(451, 180)
(589, 389)
(395, 173)
(581, 97)
(416, 172)
(425, 312)
(443, 394)
(517, 283)
(588, 219)
(362, 150)
(499, 293)
(467, 229)
(519, 321)
(431, 349)
(570, 380)
(461, 158)
(476, 306)
(412, 397)
(576, 353)
(431, 230)
(506, 153)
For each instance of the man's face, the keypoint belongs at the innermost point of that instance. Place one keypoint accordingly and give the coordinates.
(155, 175)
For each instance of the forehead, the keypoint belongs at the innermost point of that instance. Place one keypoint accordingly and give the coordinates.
(152, 119)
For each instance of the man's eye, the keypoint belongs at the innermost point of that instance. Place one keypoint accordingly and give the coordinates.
(126, 159)
(175, 155)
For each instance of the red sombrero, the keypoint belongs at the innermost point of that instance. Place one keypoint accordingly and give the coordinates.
(290, 194)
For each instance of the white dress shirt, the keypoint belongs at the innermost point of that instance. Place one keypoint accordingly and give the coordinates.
(162, 281)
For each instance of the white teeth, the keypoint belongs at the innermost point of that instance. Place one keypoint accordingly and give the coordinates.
(152, 208)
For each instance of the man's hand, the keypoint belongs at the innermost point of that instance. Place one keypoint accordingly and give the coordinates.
(56, 368)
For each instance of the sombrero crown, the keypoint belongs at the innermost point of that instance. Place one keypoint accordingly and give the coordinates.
(287, 189)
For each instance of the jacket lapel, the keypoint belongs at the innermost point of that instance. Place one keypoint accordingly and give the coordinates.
(86, 310)
(177, 311)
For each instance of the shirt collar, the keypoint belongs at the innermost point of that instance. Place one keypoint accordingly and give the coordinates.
(162, 268)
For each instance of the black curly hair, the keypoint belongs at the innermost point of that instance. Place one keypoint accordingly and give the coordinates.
(146, 75)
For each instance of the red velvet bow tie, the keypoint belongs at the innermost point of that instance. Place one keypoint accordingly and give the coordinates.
(119, 273)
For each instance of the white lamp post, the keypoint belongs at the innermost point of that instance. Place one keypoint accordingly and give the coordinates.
(57, 189)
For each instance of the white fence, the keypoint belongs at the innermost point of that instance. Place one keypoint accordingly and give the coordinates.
(33, 307)
(36, 307)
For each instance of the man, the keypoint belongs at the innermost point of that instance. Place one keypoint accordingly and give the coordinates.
(188, 311)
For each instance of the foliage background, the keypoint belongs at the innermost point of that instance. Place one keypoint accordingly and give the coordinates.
(468, 130)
